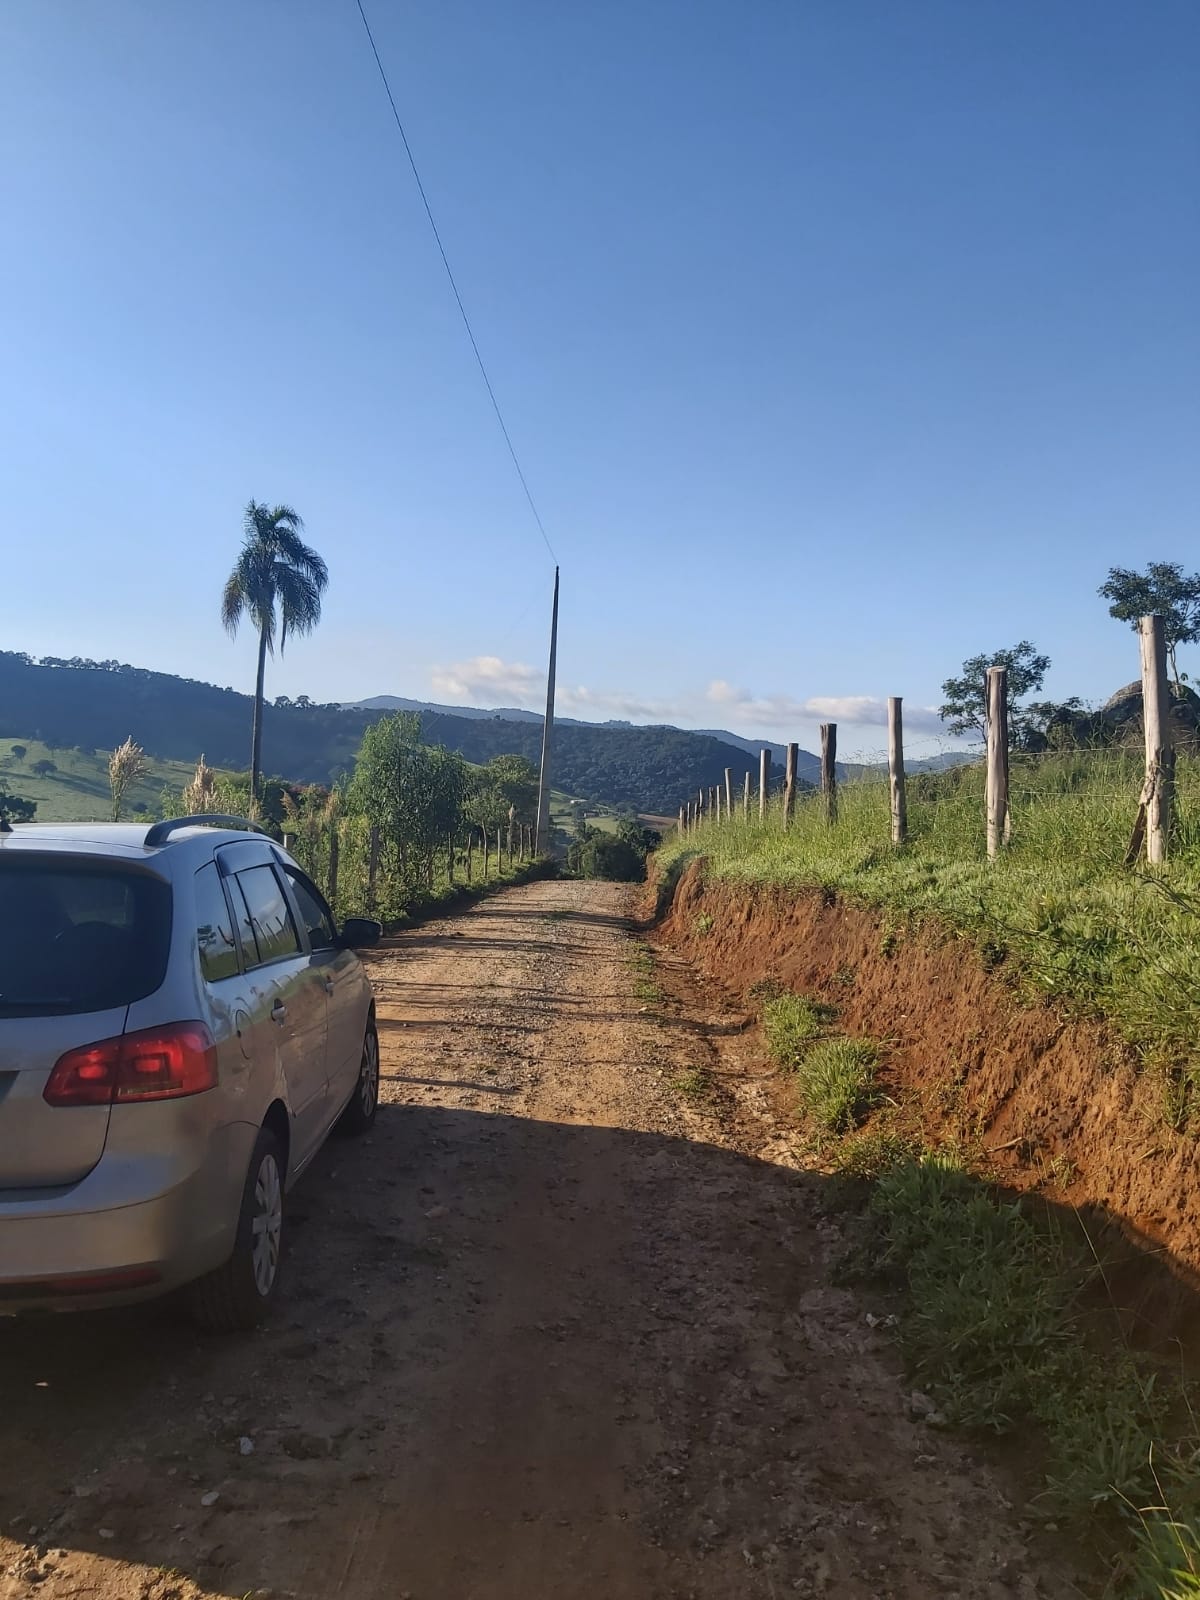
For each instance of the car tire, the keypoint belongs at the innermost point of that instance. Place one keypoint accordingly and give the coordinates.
(359, 1114)
(238, 1295)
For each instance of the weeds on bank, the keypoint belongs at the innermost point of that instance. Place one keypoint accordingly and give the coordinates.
(995, 1330)
(836, 1081)
(793, 1022)
(835, 1077)
(693, 1084)
(645, 986)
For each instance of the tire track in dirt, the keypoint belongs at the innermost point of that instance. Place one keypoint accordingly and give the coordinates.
(553, 1330)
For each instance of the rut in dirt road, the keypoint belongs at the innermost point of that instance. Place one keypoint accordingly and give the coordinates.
(562, 1326)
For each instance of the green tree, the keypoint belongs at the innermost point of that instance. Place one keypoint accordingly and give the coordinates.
(965, 707)
(516, 780)
(13, 808)
(277, 582)
(413, 793)
(19, 752)
(1163, 590)
(595, 854)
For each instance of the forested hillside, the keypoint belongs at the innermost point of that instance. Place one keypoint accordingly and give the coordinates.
(95, 705)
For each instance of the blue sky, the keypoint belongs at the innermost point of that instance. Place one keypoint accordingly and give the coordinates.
(839, 340)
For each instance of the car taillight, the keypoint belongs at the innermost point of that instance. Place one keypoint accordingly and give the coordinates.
(155, 1064)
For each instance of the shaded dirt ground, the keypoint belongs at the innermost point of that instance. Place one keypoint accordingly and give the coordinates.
(564, 1325)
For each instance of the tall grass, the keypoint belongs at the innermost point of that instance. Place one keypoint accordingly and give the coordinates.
(1059, 906)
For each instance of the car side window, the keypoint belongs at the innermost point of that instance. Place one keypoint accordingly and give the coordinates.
(267, 930)
(314, 913)
(214, 927)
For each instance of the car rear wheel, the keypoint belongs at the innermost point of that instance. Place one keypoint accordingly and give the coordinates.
(237, 1295)
(359, 1115)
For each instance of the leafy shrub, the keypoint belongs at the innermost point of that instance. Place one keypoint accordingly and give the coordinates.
(603, 855)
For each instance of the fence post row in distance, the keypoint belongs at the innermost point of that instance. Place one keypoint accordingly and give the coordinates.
(999, 826)
(746, 798)
(896, 782)
(829, 769)
(728, 792)
(764, 780)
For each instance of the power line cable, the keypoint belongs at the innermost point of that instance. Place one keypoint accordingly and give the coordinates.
(454, 286)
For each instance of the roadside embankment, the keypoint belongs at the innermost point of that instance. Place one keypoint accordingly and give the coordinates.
(1039, 1101)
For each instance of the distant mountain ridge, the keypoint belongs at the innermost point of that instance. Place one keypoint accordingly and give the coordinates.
(808, 765)
(91, 705)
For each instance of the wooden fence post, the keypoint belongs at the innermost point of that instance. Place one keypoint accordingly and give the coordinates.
(372, 864)
(699, 808)
(789, 784)
(334, 845)
(829, 770)
(728, 793)
(896, 769)
(999, 828)
(289, 842)
(1156, 802)
(746, 798)
(764, 782)
(486, 852)
(717, 803)
(470, 851)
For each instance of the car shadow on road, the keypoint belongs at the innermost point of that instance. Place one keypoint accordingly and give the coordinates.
(597, 1301)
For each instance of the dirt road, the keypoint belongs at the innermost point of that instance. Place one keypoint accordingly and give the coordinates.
(563, 1326)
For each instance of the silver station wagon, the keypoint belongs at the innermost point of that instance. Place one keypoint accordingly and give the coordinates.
(181, 1026)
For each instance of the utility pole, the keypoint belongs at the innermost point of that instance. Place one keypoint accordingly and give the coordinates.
(542, 838)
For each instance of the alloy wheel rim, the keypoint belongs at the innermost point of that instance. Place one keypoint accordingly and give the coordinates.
(368, 1083)
(266, 1227)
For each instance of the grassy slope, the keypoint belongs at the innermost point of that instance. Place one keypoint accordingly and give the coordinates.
(78, 791)
(1059, 905)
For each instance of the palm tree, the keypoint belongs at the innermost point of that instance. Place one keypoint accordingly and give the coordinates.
(276, 572)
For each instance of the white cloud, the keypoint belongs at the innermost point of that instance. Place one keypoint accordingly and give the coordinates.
(615, 703)
(487, 678)
(781, 711)
(491, 681)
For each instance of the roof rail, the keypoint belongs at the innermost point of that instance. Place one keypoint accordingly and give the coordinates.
(162, 831)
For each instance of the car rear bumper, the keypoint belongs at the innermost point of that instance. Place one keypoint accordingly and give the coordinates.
(126, 1232)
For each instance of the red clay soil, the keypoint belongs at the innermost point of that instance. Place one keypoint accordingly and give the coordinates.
(1056, 1106)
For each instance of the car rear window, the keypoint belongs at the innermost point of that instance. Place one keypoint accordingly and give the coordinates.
(79, 937)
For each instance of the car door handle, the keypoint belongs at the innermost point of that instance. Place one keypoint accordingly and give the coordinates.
(329, 986)
(278, 1011)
